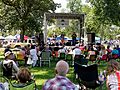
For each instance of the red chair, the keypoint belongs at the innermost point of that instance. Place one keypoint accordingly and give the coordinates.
(115, 56)
(104, 57)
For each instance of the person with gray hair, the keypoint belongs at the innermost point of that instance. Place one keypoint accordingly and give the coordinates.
(60, 82)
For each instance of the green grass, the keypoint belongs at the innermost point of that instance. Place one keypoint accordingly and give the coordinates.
(41, 74)
(44, 73)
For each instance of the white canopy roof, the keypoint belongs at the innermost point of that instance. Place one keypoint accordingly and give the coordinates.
(10, 37)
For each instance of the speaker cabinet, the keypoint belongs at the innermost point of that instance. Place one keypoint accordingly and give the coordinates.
(91, 38)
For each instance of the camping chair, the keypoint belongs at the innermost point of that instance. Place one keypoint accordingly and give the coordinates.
(103, 59)
(28, 86)
(45, 57)
(87, 76)
(3, 83)
(115, 56)
(92, 58)
(69, 58)
(62, 56)
(80, 59)
(7, 69)
(1, 69)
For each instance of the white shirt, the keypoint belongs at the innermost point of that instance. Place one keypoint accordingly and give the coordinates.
(62, 51)
(33, 53)
(76, 51)
(112, 81)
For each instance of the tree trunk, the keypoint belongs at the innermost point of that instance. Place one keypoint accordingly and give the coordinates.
(22, 33)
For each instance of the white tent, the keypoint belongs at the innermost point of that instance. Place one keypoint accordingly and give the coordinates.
(10, 37)
(2, 38)
(97, 39)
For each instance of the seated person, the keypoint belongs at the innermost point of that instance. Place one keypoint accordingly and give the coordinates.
(118, 48)
(24, 77)
(7, 49)
(113, 75)
(102, 53)
(60, 82)
(115, 53)
(62, 50)
(91, 52)
(76, 52)
(8, 65)
(109, 52)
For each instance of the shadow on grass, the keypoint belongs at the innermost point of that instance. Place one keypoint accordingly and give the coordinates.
(42, 74)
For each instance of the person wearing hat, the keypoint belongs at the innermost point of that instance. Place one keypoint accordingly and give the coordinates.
(7, 63)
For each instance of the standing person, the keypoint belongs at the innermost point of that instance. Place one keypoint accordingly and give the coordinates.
(62, 38)
(113, 77)
(60, 82)
(74, 38)
(27, 52)
(33, 54)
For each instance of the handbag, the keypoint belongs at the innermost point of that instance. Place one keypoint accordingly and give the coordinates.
(29, 61)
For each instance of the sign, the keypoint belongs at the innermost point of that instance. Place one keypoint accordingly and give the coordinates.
(62, 22)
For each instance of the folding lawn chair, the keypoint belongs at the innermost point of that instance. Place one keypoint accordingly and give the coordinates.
(87, 76)
(45, 57)
(62, 56)
(28, 86)
(69, 58)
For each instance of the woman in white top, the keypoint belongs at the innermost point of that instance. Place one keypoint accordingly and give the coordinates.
(33, 54)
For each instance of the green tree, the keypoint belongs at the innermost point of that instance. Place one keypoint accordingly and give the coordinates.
(74, 6)
(107, 11)
(26, 15)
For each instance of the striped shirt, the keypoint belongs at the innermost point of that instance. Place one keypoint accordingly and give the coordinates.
(114, 81)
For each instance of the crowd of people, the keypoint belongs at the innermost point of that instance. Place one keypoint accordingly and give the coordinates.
(61, 82)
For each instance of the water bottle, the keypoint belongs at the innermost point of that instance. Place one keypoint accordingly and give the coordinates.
(104, 73)
(101, 77)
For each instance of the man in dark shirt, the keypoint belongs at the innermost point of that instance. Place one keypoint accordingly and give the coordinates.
(74, 38)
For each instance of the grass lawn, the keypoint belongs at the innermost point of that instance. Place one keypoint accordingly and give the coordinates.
(41, 74)
(44, 73)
